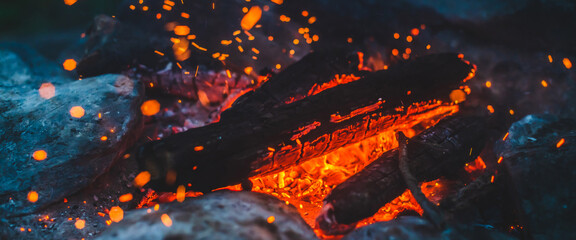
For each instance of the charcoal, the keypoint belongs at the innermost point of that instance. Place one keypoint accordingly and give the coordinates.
(218, 215)
(76, 152)
(543, 174)
(410, 227)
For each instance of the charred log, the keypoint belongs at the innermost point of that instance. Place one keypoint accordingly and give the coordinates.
(243, 145)
(457, 140)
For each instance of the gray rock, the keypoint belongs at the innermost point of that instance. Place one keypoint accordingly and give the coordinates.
(217, 215)
(76, 154)
(543, 174)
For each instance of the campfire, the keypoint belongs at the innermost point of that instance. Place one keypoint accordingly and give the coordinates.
(277, 119)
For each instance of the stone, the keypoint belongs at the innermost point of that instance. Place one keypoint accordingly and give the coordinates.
(543, 173)
(54, 146)
(217, 215)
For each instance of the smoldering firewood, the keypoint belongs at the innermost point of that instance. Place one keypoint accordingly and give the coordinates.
(460, 140)
(244, 145)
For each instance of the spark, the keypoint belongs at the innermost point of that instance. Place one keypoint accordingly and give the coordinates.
(116, 214)
(126, 197)
(428, 46)
(251, 18)
(505, 136)
(80, 224)
(47, 90)
(159, 53)
(181, 193)
(70, 2)
(488, 84)
(395, 52)
(185, 15)
(560, 143)
(409, 39)
(415, 31)
(312, 20)
(567, 63)
(141, 179)
(104, 138)
(182, 30)
(500, 159)
(166, 220)
(544, 83)
(305, 13)
(248, 70)
(279, 2)
(150, 107)
(39, 155)
(198, 148)
(32, 196)
(200, 48)
(550, 58)
(77, 112)
(271, 219)
(490, 108)
(69, 64)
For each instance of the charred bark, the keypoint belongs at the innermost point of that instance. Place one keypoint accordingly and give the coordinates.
(439, 150)
(249, 141)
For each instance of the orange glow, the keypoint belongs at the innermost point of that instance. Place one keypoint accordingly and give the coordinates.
(70, 2)
(544, 83)
(166, 220)
(457, 96)
(116, 214)
(560, 143)
(69, 64)
(142, 178)
(270, 219)
(305, 13)
(198, 148)
(278, 66)
(277, 1)
(159, 53)
(492, 179)
(39, 155)
(251, 18)
(125, 198)
(150, 107)
(103, 138)
(296, 41)
(80, 224)
(32, 196)
(490, 108)
(500, 160)
(315, 38)
(181, 30)
(567, 63)
(409, 39)
(158, 15)
(505, 136)
(185, 15)
(488, 84)
(337, 80)
(511, 112)
(550, 58)
(312, 20)
(181, 193)
(248, 70)
(476, 165)
(408, 51)
(77, 112)
(428, 46)
(396, 35)
(47, 90)
(415, 31)
(395, 52)
(270, 38)
(198, 47)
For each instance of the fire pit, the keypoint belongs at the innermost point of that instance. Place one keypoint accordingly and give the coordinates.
(295, 119)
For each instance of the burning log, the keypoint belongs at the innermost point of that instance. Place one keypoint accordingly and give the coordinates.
(270, 140)
(439, 150)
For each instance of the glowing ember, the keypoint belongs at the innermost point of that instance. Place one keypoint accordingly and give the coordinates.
(150, 107)
(125, 198)
(141, 179)
(544, 83)
(550, 58)
(104, 138)
(166, 220)
(396, 35)
(116, 214)
(270, 219)
(32, 196)
(198, 148)
(39, 155)
(277, 1)
(415, 31)
(80, 224)
(560, 143)
(251, 18)
(490, 108)
(77, 112)
(488, 84)
(47, 90)
(69, 64)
